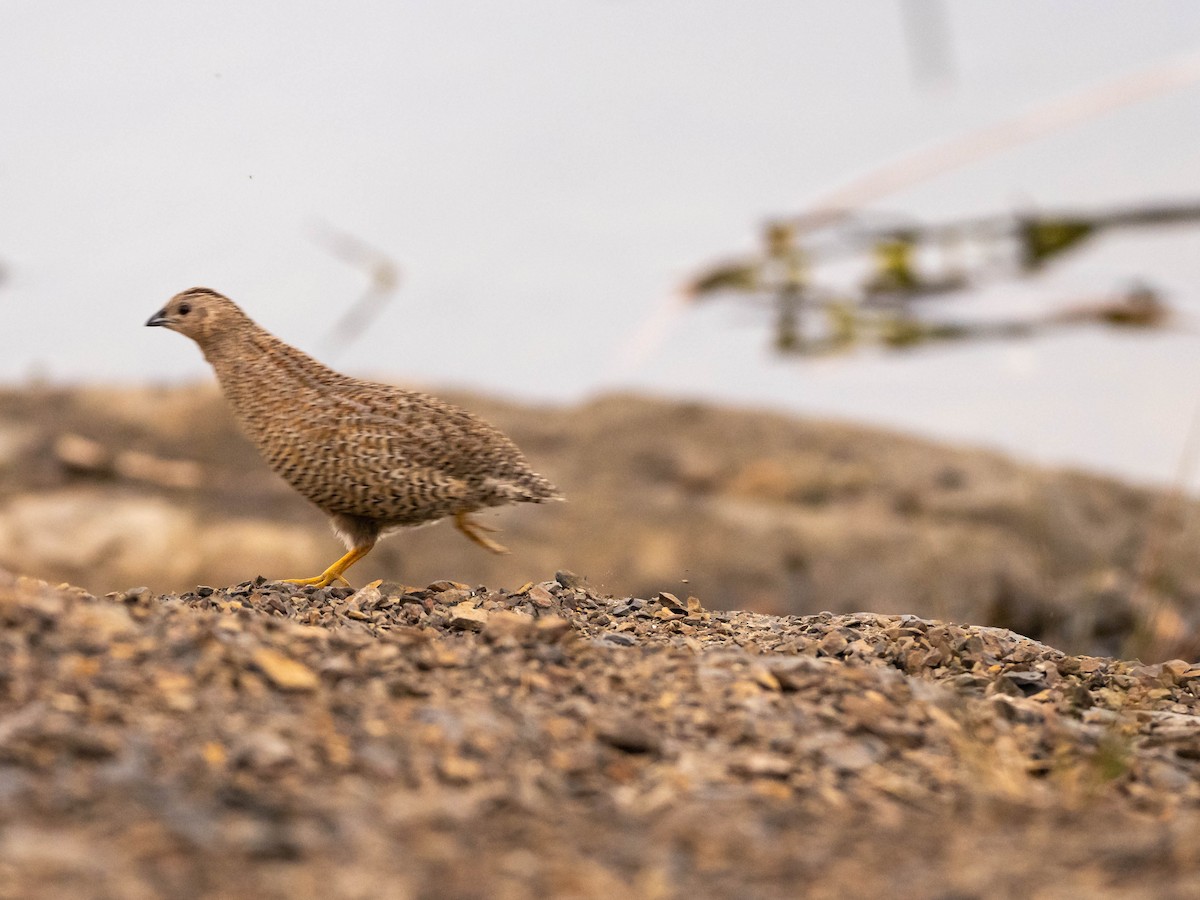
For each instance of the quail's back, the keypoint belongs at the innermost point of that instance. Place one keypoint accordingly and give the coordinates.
(372, 456)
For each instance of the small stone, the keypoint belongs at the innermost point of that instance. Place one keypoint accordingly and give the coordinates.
(264, 750)
(766, 679)
(1026, 683)
(628, 735)
(1177, 670)
(505, 624)
(762, 765)
(178, 691)
(795, 674)
(620, 638)
(368, 595)
(214, 754)
(438, 587)
(441, 656)
(465, 616)
(541, 597)
(101, 624)
(394, 589)
(452, 597)
(551, 628)
(570, 579)
(135, 595)
(849, 755)
(284, 672)
(832, 644)
(458, 770)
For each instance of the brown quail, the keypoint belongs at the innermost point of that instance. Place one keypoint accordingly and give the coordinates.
(375, 458)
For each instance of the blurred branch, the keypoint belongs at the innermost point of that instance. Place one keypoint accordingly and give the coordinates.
(925, 164)
(1039, 121)
(739, 276)
(384, 278)
(928, 35)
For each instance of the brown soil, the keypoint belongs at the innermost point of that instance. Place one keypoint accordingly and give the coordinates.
(617, 738)
(452, 742)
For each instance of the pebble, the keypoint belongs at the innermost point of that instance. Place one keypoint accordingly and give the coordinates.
(465, 616)
(283, 672)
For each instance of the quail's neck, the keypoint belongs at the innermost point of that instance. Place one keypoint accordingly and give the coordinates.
(229, 345)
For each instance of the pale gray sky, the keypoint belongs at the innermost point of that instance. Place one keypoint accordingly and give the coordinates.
(546, 172)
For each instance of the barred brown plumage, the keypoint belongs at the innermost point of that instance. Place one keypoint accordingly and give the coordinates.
(374, 457)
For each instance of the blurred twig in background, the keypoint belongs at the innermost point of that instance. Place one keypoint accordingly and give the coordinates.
(928, 35)
(384, 275)
(910, 263)
(924, 164)
(1043, 119)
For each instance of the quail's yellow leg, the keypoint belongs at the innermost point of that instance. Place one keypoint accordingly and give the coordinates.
(472, 530)
(334, 572)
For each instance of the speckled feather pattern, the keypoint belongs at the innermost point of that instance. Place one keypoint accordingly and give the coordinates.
(372, 456)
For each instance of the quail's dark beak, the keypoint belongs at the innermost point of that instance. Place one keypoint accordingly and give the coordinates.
(159, 318)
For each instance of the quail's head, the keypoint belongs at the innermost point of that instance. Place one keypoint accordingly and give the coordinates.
(203, 315)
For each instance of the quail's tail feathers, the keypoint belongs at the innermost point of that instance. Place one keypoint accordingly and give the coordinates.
(531, 488)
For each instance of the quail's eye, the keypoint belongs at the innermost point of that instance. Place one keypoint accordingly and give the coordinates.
(185, 308)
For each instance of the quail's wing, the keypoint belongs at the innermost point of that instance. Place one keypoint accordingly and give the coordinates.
(415, 429)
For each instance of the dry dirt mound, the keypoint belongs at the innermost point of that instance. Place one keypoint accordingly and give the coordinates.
(392, 742)
(106, 488)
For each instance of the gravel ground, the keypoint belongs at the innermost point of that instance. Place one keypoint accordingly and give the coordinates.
(454, 742)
